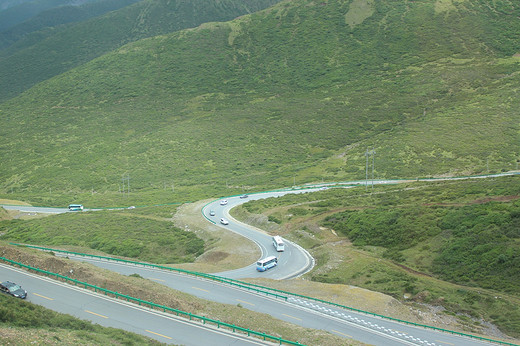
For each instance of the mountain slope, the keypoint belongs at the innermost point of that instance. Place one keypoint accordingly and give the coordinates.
(50, 19)
(51, 51)
(295, 93)
(20, 11)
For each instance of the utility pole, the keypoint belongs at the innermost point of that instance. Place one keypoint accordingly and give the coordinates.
(373, 164)
(366, 170)
(367, 154)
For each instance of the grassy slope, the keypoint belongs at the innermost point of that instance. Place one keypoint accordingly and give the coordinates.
(449, 244)
(300, 90)
(54, 50)
(125, 233)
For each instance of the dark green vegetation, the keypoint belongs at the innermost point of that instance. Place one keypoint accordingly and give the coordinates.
(47, 46)
(15, 313)
(462, 232)
(121, 234)
(476, 244)
(13, 12)
(42, 20)
(293, 94)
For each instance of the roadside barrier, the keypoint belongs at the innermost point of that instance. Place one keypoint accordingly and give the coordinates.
(151, 305)
(382, 316)
(271, 292)
(236, 283)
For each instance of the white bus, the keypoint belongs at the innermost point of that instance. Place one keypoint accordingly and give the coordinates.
(278, 243)
(75, 207)
(266, 263)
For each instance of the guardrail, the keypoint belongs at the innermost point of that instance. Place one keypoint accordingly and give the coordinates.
(382, 316)
(235, 283)
(190, 316)
(273, 292)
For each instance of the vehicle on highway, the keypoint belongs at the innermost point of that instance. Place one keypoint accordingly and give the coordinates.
(266, 263)
(75, 207)
(211, 213)
(223, 202)
(244, 196)
(224, 221)
(13, 289)
(278, 243)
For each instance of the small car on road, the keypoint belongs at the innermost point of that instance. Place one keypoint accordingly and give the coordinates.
(13, 289)
(224, 221)
(211, 213)
(244, 196)
(223, 202)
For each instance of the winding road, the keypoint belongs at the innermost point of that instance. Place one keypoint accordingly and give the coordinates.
(294, 261)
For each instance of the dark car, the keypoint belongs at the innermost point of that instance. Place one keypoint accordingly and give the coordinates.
(244, 196)
(13, 289)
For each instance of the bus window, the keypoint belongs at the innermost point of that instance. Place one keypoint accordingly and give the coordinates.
(278, 243)
(266, 263)
(75, 207)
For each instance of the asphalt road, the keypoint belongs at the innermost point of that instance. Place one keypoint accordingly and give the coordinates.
(292, 262)
(307, 313)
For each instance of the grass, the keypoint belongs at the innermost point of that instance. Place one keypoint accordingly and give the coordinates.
(157, 110)
(126, 234)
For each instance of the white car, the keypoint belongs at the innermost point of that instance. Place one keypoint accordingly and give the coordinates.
(224, 221)
(223, 202)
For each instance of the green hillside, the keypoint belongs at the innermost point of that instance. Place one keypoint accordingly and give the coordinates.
(449, 244)
(50, 19)
(55, 48)
(292, 94)
(16, 12)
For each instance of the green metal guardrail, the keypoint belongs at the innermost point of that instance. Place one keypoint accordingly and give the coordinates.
(236, 283)
(273, 292)
(382, 316)
(190, 316)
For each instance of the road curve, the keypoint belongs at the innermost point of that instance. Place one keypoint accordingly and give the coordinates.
(344, 323)
(292, 262)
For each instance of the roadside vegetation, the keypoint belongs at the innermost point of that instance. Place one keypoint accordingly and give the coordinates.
(454, 245)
